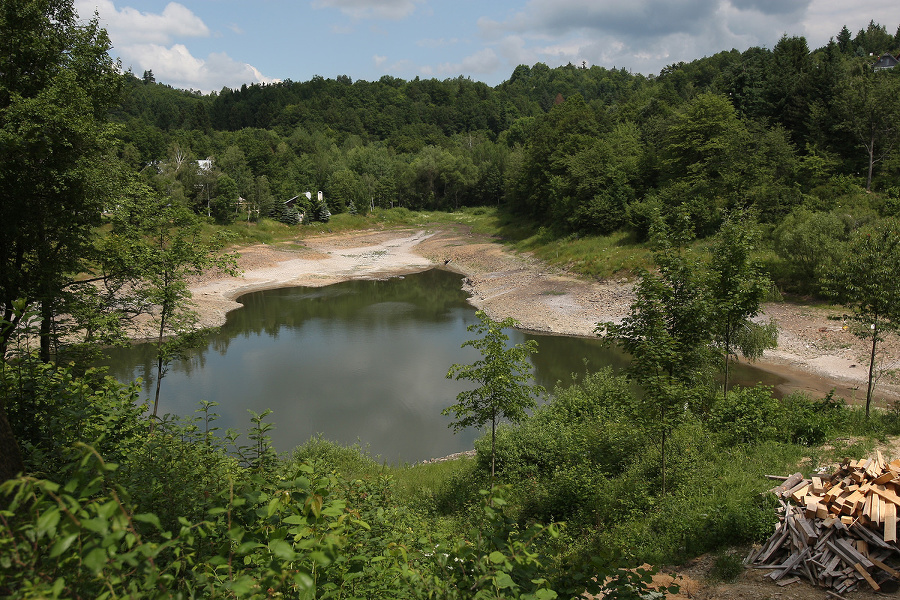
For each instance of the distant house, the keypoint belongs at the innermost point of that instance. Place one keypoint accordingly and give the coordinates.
(887, 61)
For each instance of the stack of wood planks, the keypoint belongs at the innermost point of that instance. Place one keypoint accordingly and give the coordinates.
(837, 531)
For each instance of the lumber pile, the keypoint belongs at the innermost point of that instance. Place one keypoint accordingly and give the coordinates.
(839, 531)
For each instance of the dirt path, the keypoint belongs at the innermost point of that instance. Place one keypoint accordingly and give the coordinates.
(815, 353)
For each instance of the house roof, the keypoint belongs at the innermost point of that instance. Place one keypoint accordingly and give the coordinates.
(887, 61)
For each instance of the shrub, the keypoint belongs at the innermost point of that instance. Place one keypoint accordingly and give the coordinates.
(810, 422)
(747, 415)
(727, 567)
(50, 408)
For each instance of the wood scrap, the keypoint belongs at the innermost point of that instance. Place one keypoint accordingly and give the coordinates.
(836, 531)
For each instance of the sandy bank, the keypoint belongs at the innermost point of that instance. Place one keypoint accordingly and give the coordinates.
(815, 353)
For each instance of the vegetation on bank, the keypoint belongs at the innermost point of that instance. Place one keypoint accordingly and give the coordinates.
(193, 511)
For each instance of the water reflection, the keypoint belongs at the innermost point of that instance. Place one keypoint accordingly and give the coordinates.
(360, 361)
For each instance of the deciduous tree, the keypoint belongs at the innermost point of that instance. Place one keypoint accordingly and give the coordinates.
(57, 83)
(161, 242)
(870, 113)
(502, 376)
(737, 287)
(865, 280)
(668, 335)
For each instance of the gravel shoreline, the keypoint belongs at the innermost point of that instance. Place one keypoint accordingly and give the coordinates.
(815, 352)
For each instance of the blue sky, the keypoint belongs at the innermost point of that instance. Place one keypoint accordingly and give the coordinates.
(210, 44)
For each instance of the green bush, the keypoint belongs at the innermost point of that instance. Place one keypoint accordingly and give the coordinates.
(727, 567)
(747, 415)
(327, 456)
(585, 424)
(50, 408)
(810, 422)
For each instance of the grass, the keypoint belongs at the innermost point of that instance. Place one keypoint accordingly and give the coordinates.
(430, 480)
(597, 257)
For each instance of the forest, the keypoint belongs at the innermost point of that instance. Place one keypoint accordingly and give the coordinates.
(739, 176)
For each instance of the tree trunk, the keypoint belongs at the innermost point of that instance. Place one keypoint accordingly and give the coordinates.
(159, 364)
(727, 359)
(493, 445)
(11, 464)
(663, 461)
(46, 330)
(871, 387)
(871, 148)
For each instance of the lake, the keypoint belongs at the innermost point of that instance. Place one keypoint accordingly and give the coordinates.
(357, 362)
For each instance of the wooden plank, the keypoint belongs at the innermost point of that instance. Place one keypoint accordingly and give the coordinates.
(789, 564)
(790, 482)
(775, 545)
(867, 577)
(870, 536)
(892, 572)
(883, 478)
(798, 494)
(867, 507)
(890, 522)
(833, 492)
(851, 553)
(808, 530)
(817, 487)
(886, 494)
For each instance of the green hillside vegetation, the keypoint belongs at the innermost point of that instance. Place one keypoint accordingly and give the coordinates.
(713, 185)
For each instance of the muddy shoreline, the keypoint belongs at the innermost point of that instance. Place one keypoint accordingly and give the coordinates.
(815, 354)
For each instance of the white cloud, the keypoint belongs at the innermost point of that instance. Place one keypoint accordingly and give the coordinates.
(379, 60)
(178, 67)
(152, 42)
(483, 61)
(640, 35)
(371, 9)
(129, 24)
(825, 18)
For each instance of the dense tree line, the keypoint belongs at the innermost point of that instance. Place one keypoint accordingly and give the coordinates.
(589, 150)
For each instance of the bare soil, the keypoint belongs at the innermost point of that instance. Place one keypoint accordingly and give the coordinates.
(816, 352)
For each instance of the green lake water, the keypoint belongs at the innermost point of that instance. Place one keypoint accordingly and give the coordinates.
(357, 362)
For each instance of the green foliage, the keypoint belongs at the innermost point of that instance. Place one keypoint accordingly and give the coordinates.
(869, 116)
(502, 375)
(810, 422)
(737, 288)
(809, 243)
(748, 415)
(159, 244)
(865, 281)
(727, 567)
(50, 408)
(58, 82)
(668, 334)
(330, 457)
